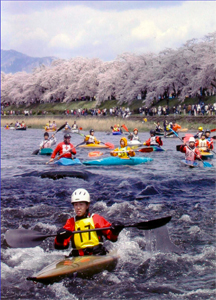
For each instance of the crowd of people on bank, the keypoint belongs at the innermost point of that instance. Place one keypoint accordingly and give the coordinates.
(190, 109)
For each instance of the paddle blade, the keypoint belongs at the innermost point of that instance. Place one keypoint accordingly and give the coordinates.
(80, 128)
(214, 137)
(95, 154)
(22, 238)
(187, 136)
(35, 152)
(60, 128)
(207, 164)
(146, 150)
(111, 146)
(178, 147)
(183, 130)
(125, 128)
(212, 130)
(151, 224)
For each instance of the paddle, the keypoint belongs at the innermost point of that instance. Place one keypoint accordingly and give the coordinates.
(205, 163)
(212, 130)
(37, 150)
(214, 137)
(109, 145)
(24, 238)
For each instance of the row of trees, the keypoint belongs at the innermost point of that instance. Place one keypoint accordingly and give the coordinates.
(182, 72)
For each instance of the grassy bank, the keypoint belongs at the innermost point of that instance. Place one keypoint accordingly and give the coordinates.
(59, 108)
(104, 123)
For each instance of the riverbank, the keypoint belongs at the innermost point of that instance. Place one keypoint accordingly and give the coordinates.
(102, 123)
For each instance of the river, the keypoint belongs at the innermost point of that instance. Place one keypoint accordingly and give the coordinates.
(174, 262)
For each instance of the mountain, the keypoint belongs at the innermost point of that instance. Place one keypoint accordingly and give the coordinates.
(13, 61)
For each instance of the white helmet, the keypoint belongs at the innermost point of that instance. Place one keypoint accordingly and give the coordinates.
(192, 139)
(80, 195)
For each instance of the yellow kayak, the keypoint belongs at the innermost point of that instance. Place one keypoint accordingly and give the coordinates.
(101, 146)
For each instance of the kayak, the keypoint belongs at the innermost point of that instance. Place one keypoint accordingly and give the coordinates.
(160, 133)
(71, 131)
(82, 266)
(170, 135)
(157, 148)
(12, 128)
(206, 155)
(21, 128)
(46, 151)
(50, 130)
(116, 132)
(134, 143)
(101, 146)
(68, 162)
(113, 161)
(189, 163)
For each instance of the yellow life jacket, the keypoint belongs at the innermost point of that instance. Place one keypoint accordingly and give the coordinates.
(122, 152)
(85, 239)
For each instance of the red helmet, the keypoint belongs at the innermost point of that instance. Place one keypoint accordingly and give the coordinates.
(135, 129)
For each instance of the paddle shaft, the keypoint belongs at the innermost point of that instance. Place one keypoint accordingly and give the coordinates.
(23, 238)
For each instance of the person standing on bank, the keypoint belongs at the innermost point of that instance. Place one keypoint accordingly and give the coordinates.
(86, 243)
(65, 148)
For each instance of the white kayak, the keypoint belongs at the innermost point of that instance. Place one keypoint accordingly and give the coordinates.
(134, 143)
(71, 131)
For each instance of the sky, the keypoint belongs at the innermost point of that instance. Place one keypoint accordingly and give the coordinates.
(102, 29)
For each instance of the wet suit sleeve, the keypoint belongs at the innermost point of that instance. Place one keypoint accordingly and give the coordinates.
(56, 150)
(147, 143)
(100, 222)
(73, 150)
(64, 244)
(182, 148)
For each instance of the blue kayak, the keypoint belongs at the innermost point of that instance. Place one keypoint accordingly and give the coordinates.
(189, 163)
(157, 148)
(46, 151)
(68, 162)
(116, 133)
(114, 161)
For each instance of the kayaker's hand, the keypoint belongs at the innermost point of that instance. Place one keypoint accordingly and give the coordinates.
(51, 159)
(117, 227)
(63, 234)
(144, 143)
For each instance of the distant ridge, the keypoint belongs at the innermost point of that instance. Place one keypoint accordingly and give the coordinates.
(13, 61)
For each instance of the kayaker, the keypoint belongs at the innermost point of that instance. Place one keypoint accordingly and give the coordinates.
(198, 134)
(175, 126)
(123, 151)
(134, 136)
(65, 148)
(209, 139)
(74, 125)
(17, 124)
(158, 127)
(67, 126)
(90, 138)
(87, 243)
(153, 140)
(46, 127)
(191, 152)
(116, 128)
(202, 143)
(7, 126)
(23, 125)
(54, 126)
(48, 142)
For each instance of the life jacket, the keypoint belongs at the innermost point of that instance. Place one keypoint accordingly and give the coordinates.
(189, 154)
(153, 141)
(122, 152)
(203, 144)
(85, 239)
(135, 137)
(91, 139)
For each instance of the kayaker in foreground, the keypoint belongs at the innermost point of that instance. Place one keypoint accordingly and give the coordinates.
(123, 151)
(202, 143)
(191, 152)
(134, 136)
(87, 243)
(65, 148)
(90, 138)
(48, 142)
(153, 140)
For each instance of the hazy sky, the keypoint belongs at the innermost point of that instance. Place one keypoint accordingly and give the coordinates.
(102, 29)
